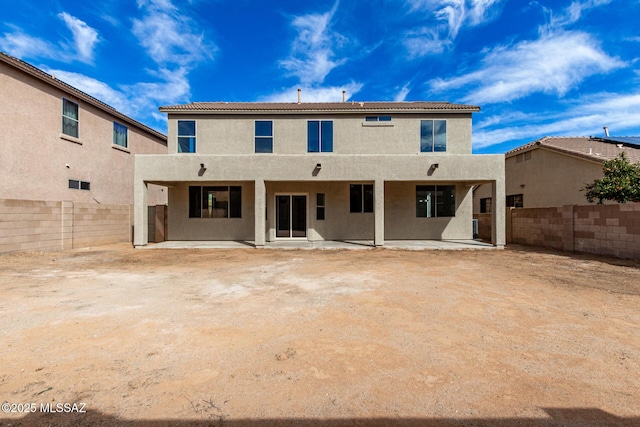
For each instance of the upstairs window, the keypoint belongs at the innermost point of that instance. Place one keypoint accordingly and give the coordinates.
(120, 135)
(264, 136)
(377, 119)
(433, 201)
(70, 118)
(320, 136)
(186, 136)
(433, 136)
(360, 198)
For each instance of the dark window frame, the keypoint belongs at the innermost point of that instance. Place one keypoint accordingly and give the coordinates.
(515, 201)
(483, 205)
(320, 206)
(268, 139)
(320, 136)
(432, 201)
(187, 140)
(361, 198)
(430, 140)
(233, 201)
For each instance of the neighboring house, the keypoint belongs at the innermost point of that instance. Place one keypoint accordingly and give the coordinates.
(63, 148)
(552, 171)
(59, 143)
(262, 172)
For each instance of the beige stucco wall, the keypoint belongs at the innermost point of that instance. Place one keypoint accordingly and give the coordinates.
(351, 134)
(339, 223)
(401, 221)
(181, 227)
(550, 179)
(34, 157)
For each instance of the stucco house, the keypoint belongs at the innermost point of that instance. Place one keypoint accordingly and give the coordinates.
(64, 151)
(366, 171)
(551, 171)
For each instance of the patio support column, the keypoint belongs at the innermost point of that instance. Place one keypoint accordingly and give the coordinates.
(260, 212)
(378, 197)
(499, 206)
(140, 214)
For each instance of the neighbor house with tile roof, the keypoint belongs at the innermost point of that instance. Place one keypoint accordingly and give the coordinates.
(552, 171)
(362, 171)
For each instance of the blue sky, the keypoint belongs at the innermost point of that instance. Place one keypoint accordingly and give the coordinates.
(535, 68)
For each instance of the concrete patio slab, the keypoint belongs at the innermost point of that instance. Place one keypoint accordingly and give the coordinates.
(328, 244)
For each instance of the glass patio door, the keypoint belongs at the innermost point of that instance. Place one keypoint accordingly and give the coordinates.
(291, 216)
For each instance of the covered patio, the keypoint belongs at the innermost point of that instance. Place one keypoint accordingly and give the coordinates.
(417, 245)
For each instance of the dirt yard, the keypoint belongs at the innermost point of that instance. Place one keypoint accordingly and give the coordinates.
(326, 337)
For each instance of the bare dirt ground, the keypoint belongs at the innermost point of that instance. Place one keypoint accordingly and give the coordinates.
(330, 338)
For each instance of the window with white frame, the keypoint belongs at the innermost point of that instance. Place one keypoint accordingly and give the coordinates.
(186, 136)
(120, 135)
(70, 119)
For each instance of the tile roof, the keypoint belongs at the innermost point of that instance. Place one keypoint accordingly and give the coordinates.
(310, 107)
(586, 147)
(51, 80)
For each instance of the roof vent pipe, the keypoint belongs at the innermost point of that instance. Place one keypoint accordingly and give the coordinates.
(344, 96)
(299, 93)
(606, 131)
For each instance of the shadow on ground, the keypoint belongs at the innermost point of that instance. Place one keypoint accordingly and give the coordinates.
(583, 417)
(621, 262)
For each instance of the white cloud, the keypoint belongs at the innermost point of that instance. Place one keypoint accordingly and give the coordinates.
(586, 116)
(551, 64)
(424, 41)
(402, 93)
(84, 37)
(137, 99)
(312, 55)
(569, 15)
(22, 45)
(314, 94)
(169, 36)
(93, 87)
(444, 20)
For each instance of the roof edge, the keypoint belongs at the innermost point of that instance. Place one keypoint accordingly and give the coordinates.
(59, 84)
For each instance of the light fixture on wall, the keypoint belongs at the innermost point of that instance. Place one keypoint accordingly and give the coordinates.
(435, 165)
(318, 165)
(202, 169)
(521, 185)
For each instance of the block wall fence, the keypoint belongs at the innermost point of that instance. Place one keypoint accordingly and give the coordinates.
(34, 225)
(612, 230)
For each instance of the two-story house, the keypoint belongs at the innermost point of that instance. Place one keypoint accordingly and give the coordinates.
(66, 168)
(368, 171)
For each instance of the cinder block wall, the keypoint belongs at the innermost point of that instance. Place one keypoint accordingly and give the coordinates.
(50, 226)
(537, 227)
(608, 229)
(31, 225)
(612, 230)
